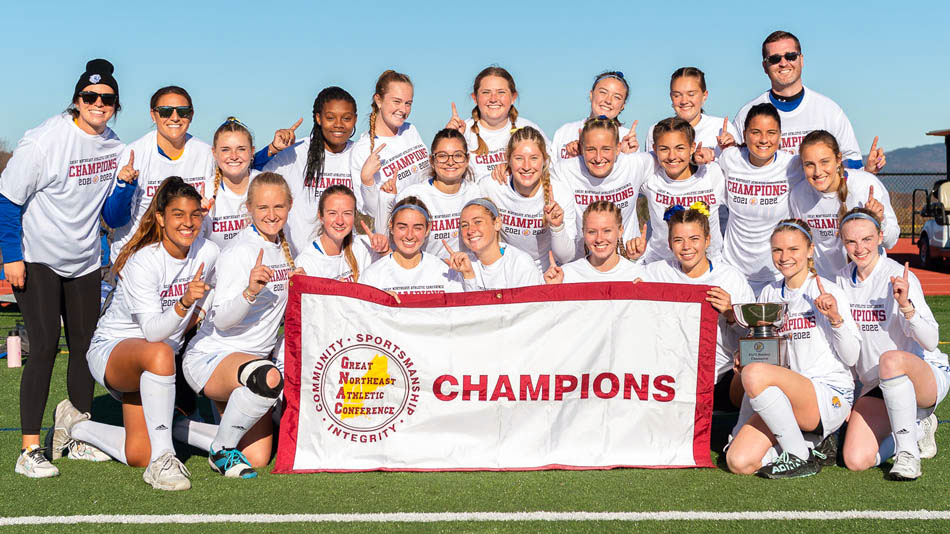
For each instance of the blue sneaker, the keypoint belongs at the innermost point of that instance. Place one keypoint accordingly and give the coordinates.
(231, 463)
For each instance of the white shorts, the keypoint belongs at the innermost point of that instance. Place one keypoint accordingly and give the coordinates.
(100, 348)
(834, 405)
(942, 378)
(198, 366)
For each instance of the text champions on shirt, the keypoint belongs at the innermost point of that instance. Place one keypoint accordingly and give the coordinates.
(415, 161)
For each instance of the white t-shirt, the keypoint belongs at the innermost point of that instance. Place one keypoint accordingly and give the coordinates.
(582, 271)
(195, 166)
(706, 184)
(815, 112)
(151, 282)
(621, 187)
(706, 131)
(816, 350)
(405, 157)
(315, 262)
(291, 163)
(61, 176)
(820, 211)
(228, 215)
(522, 220)
(444, 210)
(256, 334)
(497, 143)
(567, 134)
(721, 275)
(431, 275)
(515, 268)
(757, 198)
(881, 324)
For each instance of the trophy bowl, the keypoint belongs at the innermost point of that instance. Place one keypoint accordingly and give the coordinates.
(759, 314)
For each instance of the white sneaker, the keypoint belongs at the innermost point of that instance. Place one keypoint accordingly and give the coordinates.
(906, 467)
(928, 441)
(65, 416)
(33, 463)
(167, 473)
(80, 450)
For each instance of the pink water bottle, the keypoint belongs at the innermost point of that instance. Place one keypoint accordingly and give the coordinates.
(14, 349)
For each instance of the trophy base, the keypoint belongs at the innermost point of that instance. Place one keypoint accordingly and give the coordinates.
(762, 350)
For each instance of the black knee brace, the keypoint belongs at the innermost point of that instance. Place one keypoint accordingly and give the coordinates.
(253, 374)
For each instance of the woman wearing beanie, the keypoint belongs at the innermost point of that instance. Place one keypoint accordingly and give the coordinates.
(51, 193)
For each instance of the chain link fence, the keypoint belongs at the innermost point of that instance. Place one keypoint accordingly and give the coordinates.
(901, 186)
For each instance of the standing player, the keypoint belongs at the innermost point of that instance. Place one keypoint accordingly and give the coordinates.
(605, 258)
(497, 266)
(537, 214)
(802, 110)
(493, 120)
(903, 374)
(829, 192)
(689, 239)
(814, 394)
(688, 95)
(407, 270)
(51, 194)
(391, 155)
(758, 179)
(168, 151)
(318, 162)
(676, 181)
(448, 189)
(233, 149)
(226, 361)
(608, 96)
(160, 275)
(603, 173)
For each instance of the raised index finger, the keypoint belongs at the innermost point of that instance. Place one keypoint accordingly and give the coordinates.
(296, 124)
(906, 270)
(725, 125)
(131, 160)
(871, 193)
(873, 145)
(821, 288)
(447, 247)
(634, 127)
(365, 228)
(260, 258)
(201, 269)
(455, 112)
(380, 147)
(551, 255)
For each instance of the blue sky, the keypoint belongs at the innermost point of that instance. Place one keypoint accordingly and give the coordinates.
(886, 64)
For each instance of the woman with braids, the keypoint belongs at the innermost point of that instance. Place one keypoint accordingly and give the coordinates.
(608, 97)
(391, 155)
(537, 214)
(227, 361)
(233, 149)
(676, 180)
(313, 164)
(903, 373)
(829, 192)
(814, 393)
(493, 120)
(160, 273)
(446, 191)
(606, 257)
(496, 265)
(52, 192)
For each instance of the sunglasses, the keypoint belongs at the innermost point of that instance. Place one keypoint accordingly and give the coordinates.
(775, 59)
(90, 97)
(184, 112)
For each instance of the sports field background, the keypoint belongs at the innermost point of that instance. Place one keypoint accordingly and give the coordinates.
(85, 488)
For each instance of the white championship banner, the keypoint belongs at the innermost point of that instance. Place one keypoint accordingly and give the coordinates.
(573, 376)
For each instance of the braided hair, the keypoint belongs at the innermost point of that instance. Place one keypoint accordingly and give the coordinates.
(317, 155)
(382, 86)
(476, 116)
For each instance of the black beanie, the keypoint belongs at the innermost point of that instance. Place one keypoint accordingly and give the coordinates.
(97, 71)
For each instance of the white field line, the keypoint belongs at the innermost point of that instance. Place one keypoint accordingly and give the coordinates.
(411, 517)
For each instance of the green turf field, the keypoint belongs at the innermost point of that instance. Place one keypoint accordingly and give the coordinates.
(85, 488)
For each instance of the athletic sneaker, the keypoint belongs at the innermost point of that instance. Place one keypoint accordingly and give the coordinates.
(167, 473)
(826, 453)
(80, 450)
(33, 463)
(790, 466)
(231, 463)
(65, 416)
(906, 467)
(928, 441)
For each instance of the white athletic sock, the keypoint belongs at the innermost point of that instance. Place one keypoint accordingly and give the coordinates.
(901, 402)
(745, 413)
(110, 439)
(195, 433)
(158, 403)
(770, 456)
(776, 411)
(885, 450)
(244, 409)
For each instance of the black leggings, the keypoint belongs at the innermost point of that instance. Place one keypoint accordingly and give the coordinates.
(47, 297)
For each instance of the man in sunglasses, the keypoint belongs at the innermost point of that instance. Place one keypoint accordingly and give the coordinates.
(802, 110)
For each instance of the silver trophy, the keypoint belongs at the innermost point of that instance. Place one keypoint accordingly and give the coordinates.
(764, 345)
